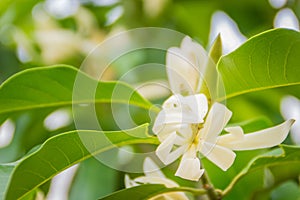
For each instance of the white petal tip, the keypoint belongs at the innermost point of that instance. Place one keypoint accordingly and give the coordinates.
(128, 182)
(189, 169)
(201, 172)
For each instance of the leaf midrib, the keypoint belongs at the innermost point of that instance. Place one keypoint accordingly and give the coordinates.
(150, 140)
(71, 103)
(220, 99)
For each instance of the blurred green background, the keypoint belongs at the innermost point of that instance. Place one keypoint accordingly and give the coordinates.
(40, 33)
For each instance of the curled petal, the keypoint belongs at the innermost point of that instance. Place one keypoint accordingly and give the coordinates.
(220, 156)
(189, 167)
(165, 150)
(260, 139)
(184, 67)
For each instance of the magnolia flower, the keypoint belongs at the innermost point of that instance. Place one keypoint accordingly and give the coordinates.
(154, 176)
(186, 139)
(186, 128)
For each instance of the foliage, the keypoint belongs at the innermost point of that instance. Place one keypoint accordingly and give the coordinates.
(107, 114)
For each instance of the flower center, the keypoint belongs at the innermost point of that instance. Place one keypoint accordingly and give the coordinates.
(196, 139)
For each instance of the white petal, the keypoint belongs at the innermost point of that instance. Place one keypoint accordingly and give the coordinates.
(220, 156)
(194, 51)
(183, 75)
(197, 54)
(216, 120)
(234, 133)
(189, 167)
(151, 169)
(160, 126)
(198, 105)
(260, 139)
(179, 110)
(165, 150)
(129, 183)
(189, 109)
(183, 129)
(184, 66)
(186, 134)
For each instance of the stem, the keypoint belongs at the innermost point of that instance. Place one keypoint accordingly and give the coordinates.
(211, 191)
(191, 190)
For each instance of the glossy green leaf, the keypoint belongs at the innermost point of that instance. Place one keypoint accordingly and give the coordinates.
(267, 60)
(65, 150)
(265, 171)
(53, 86)
(144, 192)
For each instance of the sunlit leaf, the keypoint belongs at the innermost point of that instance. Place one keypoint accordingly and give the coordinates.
(268, 60)
(283, 164)
(65, 150)
(53, 86)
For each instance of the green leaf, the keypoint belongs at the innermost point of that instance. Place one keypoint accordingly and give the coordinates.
(64, 150)
(282, 164)
(55, 86)
(287, 190)
(144, 192)
(5, 173)
(267, 60)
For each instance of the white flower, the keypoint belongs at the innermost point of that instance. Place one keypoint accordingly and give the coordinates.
(154, 176)
(187, 139)
(185, 129)
(290, 108)
(185, 65)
